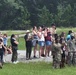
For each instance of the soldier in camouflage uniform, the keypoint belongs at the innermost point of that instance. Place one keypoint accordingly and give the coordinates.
(71, 51)
(56, 52)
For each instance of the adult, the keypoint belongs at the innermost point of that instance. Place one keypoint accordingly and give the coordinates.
(63, 47)
(53, 29)
(48, 41)
(1, 52)
(28, 41)
(56, 52)
(71, 51)
(35, 40)
(14, 44)
(41, 41)
(69, 35)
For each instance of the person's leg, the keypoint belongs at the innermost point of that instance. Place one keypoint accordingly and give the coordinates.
(15, 55)
(2, 57)
(0, 61)
(35, 48)
(27, 52)
(42, 51)
(30, 49)
(69, 59)
(48, 47)
(12, 55)
(43, 47)
(39, 48)
(46, 52)
(74, 58)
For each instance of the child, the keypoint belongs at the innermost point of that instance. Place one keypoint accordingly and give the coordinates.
(9, 50)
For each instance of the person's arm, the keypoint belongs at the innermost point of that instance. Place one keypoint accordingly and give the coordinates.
(39, 35)
(16, 42)
(34, 32)
(45, 33)
(4, 48)
(25, 37)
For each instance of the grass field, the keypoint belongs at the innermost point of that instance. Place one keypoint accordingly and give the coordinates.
(10, 32)
(39, 68)
(59, 30)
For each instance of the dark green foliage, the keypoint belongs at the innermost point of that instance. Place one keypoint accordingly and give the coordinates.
(22, 14)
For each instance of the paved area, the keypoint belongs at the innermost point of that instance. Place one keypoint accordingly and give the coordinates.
(22, 57)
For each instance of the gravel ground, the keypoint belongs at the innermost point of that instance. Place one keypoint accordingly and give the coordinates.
(22, 57)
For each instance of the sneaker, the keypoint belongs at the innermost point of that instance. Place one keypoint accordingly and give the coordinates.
(43, 55)
(14, 62)
(17, 62)
(27, 58)
(34, 57)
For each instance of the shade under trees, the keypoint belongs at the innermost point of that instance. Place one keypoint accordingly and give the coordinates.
(23, 14)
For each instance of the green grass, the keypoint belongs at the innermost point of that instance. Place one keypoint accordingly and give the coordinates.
(10, 32)
(39, 68)
(59, 30)
(21, 45)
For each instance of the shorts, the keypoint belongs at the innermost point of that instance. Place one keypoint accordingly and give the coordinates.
(48, 43)
(41, 43)
(34, 42)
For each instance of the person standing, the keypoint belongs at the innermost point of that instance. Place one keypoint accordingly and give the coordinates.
(56, 52)
(35, 40)
(1, 52)
(14, 44)
(5, 44)
(63, 47)
(71, 51)
(48, 41)
(41, 41)
(28, 41)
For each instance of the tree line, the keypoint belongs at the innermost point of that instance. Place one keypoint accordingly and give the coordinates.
(22, 14)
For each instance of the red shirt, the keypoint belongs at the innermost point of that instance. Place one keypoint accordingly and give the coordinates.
(48, 37)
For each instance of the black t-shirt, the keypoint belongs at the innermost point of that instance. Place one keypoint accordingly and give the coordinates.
(29, 42)
(1, 48)
(12, 42)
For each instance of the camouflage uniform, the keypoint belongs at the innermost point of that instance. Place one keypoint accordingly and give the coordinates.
(71, 52)
(56, 52)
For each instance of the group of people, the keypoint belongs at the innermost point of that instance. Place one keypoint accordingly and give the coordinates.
(41, 36)
(5, 49)
(62, 48)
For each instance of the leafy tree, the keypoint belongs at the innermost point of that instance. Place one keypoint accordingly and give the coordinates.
(45, 17)
(20, 14)
(58, 16)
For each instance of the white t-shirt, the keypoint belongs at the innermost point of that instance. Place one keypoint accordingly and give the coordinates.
(42, 37)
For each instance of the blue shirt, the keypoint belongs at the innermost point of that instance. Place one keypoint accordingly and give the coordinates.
(5, 41)
(68, 37)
